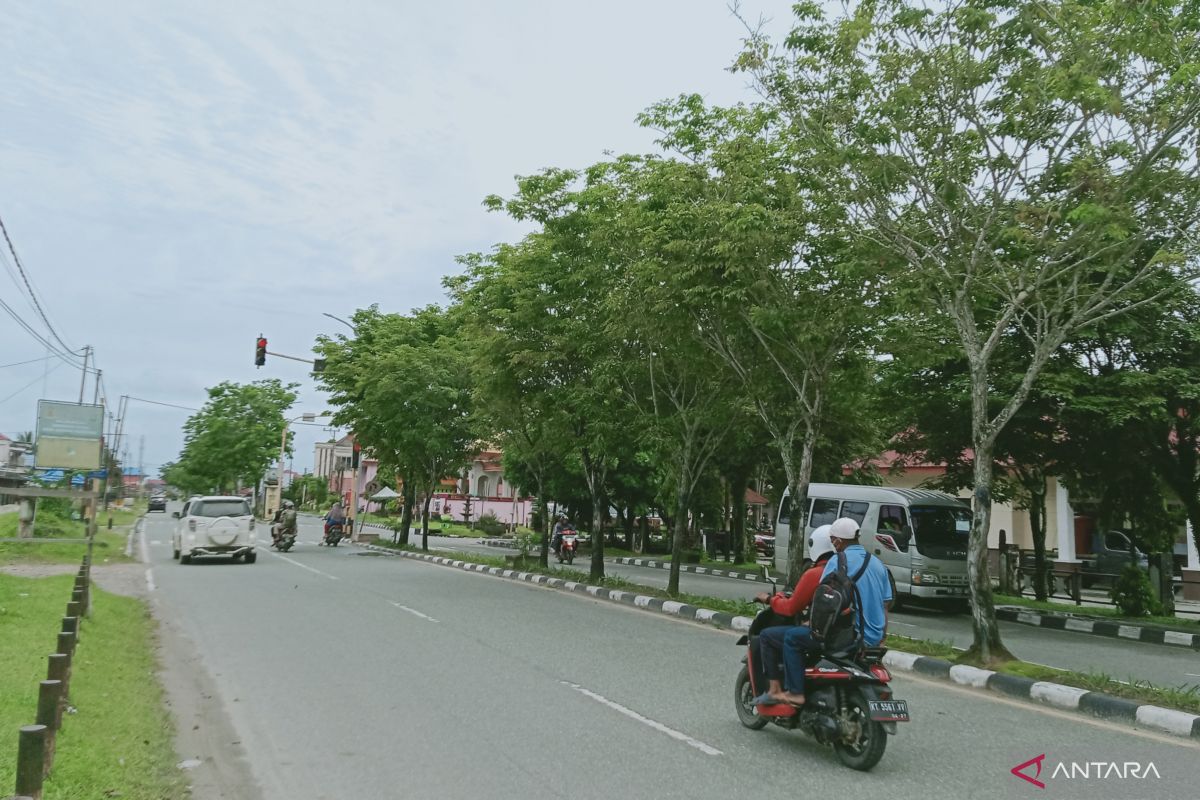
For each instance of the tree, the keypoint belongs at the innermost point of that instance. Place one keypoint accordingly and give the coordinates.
(234, 438)
(775, 283)
(1031, 165)
(403, 384)
(555, 322)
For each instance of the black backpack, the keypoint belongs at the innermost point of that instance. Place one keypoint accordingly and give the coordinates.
(835, 605)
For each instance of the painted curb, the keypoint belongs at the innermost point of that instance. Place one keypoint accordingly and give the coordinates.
(660, 564)
(1098, 627)
(1070, 698)
(1096, 704)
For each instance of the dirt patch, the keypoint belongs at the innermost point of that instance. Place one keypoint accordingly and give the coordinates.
(124, 579)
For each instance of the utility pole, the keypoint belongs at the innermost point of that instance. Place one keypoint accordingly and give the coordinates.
(87, 351)
(96, 391)
(142, 457)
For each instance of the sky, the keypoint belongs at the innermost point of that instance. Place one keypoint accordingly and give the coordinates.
(178, 178)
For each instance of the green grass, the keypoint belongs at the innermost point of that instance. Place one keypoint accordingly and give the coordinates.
(109, 546)
(119, 743)
(1109, 613)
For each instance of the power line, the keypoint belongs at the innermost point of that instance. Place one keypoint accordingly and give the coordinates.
(26, 386)
(29, 286)
(66, 358)
(158, 403)
(30, 361)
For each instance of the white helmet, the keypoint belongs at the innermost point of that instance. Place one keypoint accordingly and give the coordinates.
(844, 528)
(819, 543)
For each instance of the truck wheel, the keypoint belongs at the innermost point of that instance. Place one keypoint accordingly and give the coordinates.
(185, 559)
(251, 557)
(897, 602)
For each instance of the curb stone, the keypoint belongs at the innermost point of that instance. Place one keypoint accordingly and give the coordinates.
(1096, 704)
(1070, 698)
(655, 563)
(1098, 627)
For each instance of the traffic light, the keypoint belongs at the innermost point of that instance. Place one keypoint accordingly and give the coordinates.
(260, 352)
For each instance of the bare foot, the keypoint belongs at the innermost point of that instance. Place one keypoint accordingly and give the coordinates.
(791, 699)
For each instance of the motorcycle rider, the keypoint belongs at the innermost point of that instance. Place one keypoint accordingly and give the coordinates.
(556, 541)
(875, 596)
(770, 641)
(285, 524)
(336, 516)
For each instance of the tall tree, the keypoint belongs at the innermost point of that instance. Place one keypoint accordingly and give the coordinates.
(1031, 164)
(233, 439)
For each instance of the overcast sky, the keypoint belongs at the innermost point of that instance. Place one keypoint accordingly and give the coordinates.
(179, 177)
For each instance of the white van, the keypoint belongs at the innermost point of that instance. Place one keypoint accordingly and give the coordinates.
(921, 536)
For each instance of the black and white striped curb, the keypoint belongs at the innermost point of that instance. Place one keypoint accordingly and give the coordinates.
(1098, 704)
(1098, 627)
(672, 607)
(724, 573)
(656, 563)
(1071, 698)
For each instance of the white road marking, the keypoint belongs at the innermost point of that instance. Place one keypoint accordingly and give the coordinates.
(150, 579)
(414, 612)
(1191, 675)
(155, 543)
(658, 726)
(304, 566)
(898, 622)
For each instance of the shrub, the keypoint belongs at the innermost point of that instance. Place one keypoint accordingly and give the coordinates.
(490, 524)
(1133, 594)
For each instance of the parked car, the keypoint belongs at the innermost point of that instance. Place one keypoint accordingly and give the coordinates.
(1111, 553)
(158, 503)
(214, 526)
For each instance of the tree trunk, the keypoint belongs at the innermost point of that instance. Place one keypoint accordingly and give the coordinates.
(1037, 523)
(798, 481)
(544, 550)
(987, 648)
(406, 514)
(627, 523)
(425, 518)
(594, 474)
(737, 522)
(643, 533)
(681, 528)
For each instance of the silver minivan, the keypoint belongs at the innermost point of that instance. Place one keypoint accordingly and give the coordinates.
(921, 536)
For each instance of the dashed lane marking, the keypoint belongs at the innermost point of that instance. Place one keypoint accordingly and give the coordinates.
(414, 612)
(304, 566)
(658, 726)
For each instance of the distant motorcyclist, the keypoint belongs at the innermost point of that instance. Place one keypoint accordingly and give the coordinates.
(559, 527)
(285, 521)
(336, 516)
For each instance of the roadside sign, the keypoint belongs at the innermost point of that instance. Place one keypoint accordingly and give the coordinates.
(69, 435)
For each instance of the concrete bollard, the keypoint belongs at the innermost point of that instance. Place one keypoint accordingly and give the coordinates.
(31, 759)
(66, 643)
(74, 608)
(49, 714)
(70, 625)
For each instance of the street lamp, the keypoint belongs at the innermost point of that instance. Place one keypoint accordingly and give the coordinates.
(339, 319)
(307, 416)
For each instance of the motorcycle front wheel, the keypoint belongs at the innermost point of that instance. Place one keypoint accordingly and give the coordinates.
(864, 747)
(743, 695)
(570, 556)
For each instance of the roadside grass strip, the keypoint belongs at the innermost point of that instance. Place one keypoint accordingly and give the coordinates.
(1174, 710)
(109, 545)
(1110, 626)
(116, 737)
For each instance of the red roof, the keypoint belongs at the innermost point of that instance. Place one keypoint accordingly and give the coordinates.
(753, 498)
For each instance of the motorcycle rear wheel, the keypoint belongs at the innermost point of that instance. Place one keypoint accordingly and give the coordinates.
(570, 556)
(743, 693)
(865, 752)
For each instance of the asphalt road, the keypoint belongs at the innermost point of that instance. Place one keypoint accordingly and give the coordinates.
(1162, 665)
(346, 675)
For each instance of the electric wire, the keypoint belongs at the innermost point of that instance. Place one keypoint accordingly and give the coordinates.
(30, 361)
(66, 358)
(29, 287)
(26, 386)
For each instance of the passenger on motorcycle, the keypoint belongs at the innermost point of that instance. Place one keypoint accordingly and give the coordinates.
(335, 516)
(870, 624)
(285, 523)
(770, 641)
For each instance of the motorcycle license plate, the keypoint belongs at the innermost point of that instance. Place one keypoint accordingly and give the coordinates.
(888, 710)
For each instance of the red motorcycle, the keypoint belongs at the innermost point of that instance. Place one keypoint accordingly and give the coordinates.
(849, 699)
(566, 547)
(334, 532)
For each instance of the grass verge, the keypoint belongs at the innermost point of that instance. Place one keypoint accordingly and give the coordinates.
(109, 545)
(118, 744)
(1099, 612)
